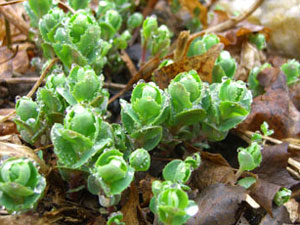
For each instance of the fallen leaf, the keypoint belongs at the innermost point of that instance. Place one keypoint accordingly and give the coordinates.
(275, 107)
(203, 64)
(129, 210)
(280, 216)
(218, 205)
(263, 193)
(194, 5)
(213, 169)
(293, 207)
(273, 166)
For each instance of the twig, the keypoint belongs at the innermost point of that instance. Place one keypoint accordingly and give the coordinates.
(270, 139)
(66, 6)
(34, 88)
(9, 13)
(8, 34)
(130, 65)
(17, 80)
(43, 147)
(42, 77)
(15, 52)
(225, 25)
(11, 2)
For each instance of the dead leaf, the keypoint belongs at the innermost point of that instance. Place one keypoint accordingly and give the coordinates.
(194, 5)
(273, 166)
(218, 205)
(280, 216)
(213, 169)
(203, 64)
(292, 207)
(275, 107)
(263, 193)
(129, 210)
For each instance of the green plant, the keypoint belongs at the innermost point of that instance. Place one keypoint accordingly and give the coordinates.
(259, 40)
(142, 118)
(253, 82)
(21, 185)
(186, 91)
(115, 218)
(291, 69)
(79, 4)
(170, 201)
(140, 160)
(282, 196)
(202, 45)
(227, 104)
(225, 66)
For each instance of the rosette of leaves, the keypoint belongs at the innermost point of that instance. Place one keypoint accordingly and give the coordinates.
(142, 118)
(156, 39)
(202, 45)
(84, 86)
(171, 203)
(29, 120)
(21, 185)
(111, 174)
(186, 92)
(250, 158)
(50, 102)
(76, 141)
(227, 104)
(76, 39)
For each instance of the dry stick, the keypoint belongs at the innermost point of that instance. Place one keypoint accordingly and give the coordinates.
(34, 88)
(130, 65)
(225, 25)
(17, 80)
(270, 139)
(42, 77)
(9, 13)
(67, 6)
(11, 2)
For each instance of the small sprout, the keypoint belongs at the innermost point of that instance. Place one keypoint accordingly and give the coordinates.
(259, 40)
(171, 203)
(149, 25)
(165, 62)
(113, 173)
(194, 161)
(26, 109)
(141, 118)
(291, 70)
(79, 4)
(253, 82)
(256, 137)
(265, 129)
(249, 158)
(115, 219)
(282, 196)
(225, 66)
(247, 182)
(140, 160)
(21, 185)
(135, 20)
(186, 92)
(200, 46)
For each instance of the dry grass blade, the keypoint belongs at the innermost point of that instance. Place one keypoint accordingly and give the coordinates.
(11, 2)
(8, 149)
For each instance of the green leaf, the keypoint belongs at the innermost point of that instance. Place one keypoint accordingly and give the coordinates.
(40, 7)
(79, 4)
(140, 160)
(148, 137)
(247, 182)
(177, 171)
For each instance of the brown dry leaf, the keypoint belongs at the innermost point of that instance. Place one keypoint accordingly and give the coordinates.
(273, 166)
(23, 219)
(192, 6)
(293, 207)
(129, 210)
(203, 64)
(218, 205)
(219, 16)
(263, 193)
(294, 91)
(280, 216)
(213, 169)
(275, 107)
